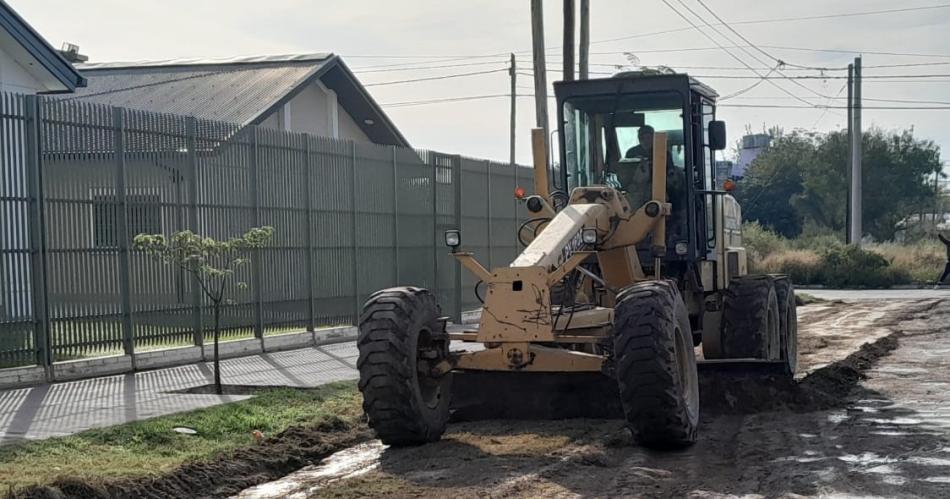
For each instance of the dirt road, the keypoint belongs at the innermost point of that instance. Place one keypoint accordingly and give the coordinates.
(871, 421)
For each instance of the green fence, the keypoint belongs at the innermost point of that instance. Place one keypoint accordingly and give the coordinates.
(78, 181)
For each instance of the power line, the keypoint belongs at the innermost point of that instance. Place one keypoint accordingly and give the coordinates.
(780, 20)
(430, 78)
(822, 77)
(837, 96)
(778, 61)
(724, 49)
(819, 106)
(422, 68)
(749, 88)
(828, 102)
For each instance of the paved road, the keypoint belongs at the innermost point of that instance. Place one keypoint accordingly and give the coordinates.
(878, 294)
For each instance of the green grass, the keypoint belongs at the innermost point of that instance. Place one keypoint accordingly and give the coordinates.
(151, 447)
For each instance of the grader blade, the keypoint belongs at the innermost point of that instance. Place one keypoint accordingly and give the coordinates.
(479, 395)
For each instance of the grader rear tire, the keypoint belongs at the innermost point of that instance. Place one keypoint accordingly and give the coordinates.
(788, 320)
(750, 319)
(400, 337)
(656, 365)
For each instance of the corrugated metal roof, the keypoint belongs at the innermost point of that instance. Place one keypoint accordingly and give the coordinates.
(252, 59)
(236, 92)
(240, 90)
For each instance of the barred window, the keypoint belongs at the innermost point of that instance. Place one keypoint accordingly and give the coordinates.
(145, 217)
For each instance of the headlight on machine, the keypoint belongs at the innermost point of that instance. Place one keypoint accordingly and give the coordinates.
(589, 236)
(453, 238)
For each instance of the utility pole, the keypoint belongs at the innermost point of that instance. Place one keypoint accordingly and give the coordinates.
(856, 158)
(540, 76)
(584, 48)
(568, 40)
(847, 214)
(514, 106)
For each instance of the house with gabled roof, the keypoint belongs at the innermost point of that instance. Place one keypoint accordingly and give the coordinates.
(28, 64)
(309, 93)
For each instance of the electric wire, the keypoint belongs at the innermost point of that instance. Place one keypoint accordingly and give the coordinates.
(727, 51)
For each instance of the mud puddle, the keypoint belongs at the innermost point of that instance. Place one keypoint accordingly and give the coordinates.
(873, 422)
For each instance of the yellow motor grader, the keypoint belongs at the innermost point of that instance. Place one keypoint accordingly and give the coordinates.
(633, 259)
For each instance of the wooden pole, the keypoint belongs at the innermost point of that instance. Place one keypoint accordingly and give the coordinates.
(584, 49)
(540, 76)
(512, 71)
(568, 48)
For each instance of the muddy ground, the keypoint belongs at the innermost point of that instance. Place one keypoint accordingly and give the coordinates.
(869, 416)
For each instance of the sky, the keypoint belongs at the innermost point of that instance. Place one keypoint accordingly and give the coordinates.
(389, 41)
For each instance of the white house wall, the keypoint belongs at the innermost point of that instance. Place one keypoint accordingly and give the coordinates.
(311, 111)
(350, 130)
(14, 78)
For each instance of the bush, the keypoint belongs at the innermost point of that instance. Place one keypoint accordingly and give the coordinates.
(761, 242)
(851, 266)
(923, 261)
(838, 266)
(802, 266)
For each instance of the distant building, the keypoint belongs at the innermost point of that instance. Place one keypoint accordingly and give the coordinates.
(752, 146)
(724, 170)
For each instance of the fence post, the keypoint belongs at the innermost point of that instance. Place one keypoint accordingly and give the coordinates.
(308, 183)
(256, 267)
(191, 143)
(488, 210)
(395, 219)
(42, 339)
(356, 285)
(123, 235)
(433, 162)
(457, 184)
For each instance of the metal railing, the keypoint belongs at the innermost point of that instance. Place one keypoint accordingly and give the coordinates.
(78, 181)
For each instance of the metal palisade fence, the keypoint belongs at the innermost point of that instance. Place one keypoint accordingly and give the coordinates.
(79, 181)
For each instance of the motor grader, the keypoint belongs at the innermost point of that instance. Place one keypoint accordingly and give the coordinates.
(633, 259)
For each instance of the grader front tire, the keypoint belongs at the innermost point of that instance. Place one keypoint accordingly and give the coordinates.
(400, 334)
(656, 365)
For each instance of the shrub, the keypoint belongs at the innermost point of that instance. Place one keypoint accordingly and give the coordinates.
(923, 261)
(802, 266)
(761, 242)
(851, 266)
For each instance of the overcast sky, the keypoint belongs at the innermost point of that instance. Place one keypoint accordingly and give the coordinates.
(378, 34)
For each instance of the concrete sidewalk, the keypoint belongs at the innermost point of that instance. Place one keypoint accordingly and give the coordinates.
(59, 409)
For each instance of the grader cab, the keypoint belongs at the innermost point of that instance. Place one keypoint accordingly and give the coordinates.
(633, 259)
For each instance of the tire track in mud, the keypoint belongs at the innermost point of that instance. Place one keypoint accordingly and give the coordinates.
(761, 437)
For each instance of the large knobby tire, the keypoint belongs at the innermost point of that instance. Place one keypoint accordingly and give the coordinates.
(400, 339)
(788, 319)
(656, 365)
(750, 319)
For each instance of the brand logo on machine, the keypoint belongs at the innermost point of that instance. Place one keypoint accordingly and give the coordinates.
(574, 245)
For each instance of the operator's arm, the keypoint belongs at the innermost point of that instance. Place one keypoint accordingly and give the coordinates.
(943, 239)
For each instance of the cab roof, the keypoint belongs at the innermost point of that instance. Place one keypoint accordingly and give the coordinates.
(633, 81)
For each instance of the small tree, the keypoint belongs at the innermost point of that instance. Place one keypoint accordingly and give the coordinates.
(211, 262)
